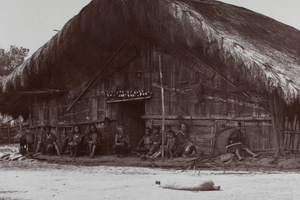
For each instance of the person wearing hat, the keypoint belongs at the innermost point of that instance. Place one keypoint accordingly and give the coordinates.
(48, 141)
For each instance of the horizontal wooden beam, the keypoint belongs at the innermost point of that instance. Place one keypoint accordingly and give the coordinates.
(176, 117)
(128, 99)
(40, 92)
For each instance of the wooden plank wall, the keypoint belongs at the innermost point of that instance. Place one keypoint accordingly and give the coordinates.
(8, 132)
(182, 79)
(259, 135)
(291, 134)
(184, 97)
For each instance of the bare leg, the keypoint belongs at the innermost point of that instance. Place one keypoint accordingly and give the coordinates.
(90, 149)
(93, 150)
(38, 146)
(157, 154)
(72, 150)
(57, 149)
(251, 153)
(75, 151)
(237, 152)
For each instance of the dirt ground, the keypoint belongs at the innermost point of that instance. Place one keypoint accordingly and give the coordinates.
(36, 179)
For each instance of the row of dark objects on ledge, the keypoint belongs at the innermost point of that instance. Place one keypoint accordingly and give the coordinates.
(128, 94)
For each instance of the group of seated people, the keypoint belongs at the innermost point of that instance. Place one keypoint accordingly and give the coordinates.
(175, 144)
(74, 142)
(150, 146)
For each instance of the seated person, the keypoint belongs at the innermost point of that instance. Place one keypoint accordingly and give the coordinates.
(94, 140)
(75, 141)
(107, 136)
(170, 146)
(122, 142)
(146, 142)
(235, 143)
(25, 140)
(48, 141)
(184, 145)
(156, 141)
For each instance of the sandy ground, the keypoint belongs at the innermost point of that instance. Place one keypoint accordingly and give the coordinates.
(54, 181)
(33, 179)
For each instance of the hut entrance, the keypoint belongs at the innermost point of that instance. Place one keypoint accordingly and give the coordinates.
(131, 113)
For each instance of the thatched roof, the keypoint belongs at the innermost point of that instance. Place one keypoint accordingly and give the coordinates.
(260, 49)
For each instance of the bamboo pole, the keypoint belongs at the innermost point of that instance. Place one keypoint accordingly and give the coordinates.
(294, 122)
(35, 138)
(8, 134)
(214, 132)
(163, 109)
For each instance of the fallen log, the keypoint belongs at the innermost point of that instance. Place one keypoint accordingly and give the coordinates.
(191, 184)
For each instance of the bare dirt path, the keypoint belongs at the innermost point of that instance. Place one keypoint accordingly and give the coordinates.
(53, 181)
(34, 180)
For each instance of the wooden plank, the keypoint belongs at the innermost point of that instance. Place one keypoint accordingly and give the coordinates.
(35, 138)
(8, 135)
(214, 134)
(286, 121)
(296, 142)
(294, 122)
(53, 111)
(94, 108)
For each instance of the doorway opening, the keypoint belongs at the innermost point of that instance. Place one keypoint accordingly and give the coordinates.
(131, 113)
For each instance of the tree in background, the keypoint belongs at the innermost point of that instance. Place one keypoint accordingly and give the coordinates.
(11, 59)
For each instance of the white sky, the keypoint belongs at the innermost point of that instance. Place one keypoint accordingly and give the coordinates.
(30, 23)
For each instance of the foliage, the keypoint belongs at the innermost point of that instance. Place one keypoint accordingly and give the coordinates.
(11, 59)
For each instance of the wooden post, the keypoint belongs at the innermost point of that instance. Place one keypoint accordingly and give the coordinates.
(214, 131)
(8, 135)
(35, 138)
(277, 111)
(163, 109)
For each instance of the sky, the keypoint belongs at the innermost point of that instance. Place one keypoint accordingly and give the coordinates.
(31, 23)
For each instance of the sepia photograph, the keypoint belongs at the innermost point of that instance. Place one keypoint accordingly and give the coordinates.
(149, 99)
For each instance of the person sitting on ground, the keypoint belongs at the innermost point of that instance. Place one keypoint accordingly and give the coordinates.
(171, 146)
(235, 144)
(184, 145)
(156, 141)
(108, 136)
(75, 141)
(146, 142)
(122, 142)
(48, 142)
(25, 140)
(94, 140)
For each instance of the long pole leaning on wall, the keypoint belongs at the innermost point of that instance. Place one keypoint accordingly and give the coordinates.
(163, 110)
(103, 68)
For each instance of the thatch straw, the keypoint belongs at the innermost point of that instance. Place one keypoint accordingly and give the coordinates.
(261, 50)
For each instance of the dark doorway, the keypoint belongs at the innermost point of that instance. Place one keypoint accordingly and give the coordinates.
(132, 112)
